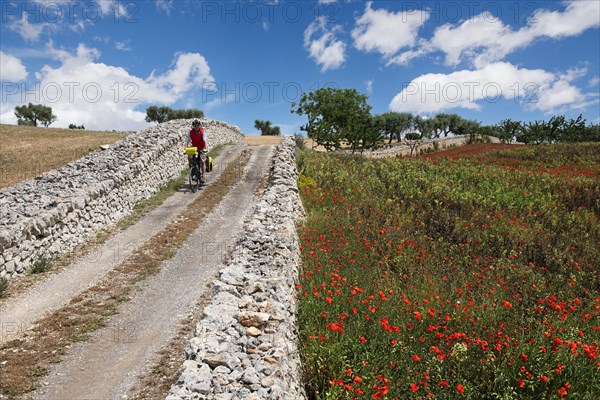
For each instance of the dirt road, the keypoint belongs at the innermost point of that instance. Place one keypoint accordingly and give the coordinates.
(107, 365)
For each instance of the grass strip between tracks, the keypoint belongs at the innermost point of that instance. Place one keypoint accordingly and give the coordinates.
(23, 362)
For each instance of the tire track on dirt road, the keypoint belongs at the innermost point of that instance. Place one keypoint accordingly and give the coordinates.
(108, 364)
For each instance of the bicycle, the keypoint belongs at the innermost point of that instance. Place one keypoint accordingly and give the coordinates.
(196, 178)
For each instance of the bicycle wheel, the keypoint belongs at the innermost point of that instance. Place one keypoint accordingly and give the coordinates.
(194, 178)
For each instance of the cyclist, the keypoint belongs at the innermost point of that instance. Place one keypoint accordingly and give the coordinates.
(197, 138)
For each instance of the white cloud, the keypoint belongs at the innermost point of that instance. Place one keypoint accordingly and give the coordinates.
(83, 90)
(11, 68)
(102, 39)
(108, 7)
(189, 71)
(326, 50)
(122, 46)
(484, 39)
(165, 6)
(594, 82)
(29, 32)
(51, 16)
(578, 17)
(387, 32)
(534, 89)
(369, 86)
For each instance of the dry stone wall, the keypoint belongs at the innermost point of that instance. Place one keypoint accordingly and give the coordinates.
(403, 149)
(54, 212)
(245, 346)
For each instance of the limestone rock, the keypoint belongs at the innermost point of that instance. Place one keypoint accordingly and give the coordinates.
(255, 319)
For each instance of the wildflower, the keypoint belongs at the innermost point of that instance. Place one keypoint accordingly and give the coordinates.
(460, 388)
(414, 387)
(416, 357)
(417, 315)
(562, 391)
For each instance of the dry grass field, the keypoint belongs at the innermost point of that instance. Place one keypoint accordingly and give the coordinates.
(257, 140)
(26, 152)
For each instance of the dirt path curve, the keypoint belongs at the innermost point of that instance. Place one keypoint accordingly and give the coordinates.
(107, 365)
(17, 314)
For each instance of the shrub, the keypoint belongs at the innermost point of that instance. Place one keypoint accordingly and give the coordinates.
(3, 287)
(412, 136)
(300, 141)
(40, 266)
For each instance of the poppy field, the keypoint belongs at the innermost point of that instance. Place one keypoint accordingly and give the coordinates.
(460, 277)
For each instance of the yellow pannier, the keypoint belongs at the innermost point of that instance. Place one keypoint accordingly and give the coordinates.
(191, 151)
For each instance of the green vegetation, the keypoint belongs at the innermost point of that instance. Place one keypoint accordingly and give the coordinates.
(466, 278)
(266, 129)
(40, 266)
(3, 287)
(339, 117)
(164, 114)
(32, 114)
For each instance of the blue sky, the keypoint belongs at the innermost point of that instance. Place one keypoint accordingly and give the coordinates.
(102, 63)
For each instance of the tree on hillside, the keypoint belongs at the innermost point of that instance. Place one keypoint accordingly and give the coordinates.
(445, 123)
(574, 130)
(266, 129)
(591, 134)
(393, 124)
(158, 114)
(532, 132)
(164, 114)
(336, 117)
(425, 128)
(188, 113)
(32, 114)
(558, 129)
(508, 130)
(366, 133)
(468, 127)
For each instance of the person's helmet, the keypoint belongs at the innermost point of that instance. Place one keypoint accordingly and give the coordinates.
(196, 123)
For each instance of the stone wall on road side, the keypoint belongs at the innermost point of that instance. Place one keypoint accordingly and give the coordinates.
(245, 344)
(51, 214)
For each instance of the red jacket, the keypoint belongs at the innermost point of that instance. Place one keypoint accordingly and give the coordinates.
(197, 139)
